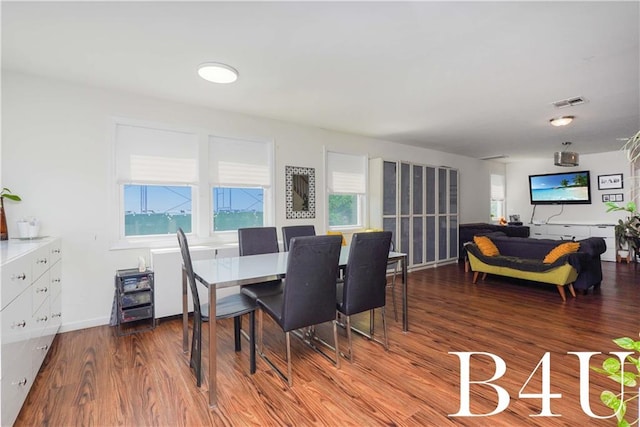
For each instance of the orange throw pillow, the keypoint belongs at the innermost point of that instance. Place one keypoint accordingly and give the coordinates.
(560, 250)
(486, 246)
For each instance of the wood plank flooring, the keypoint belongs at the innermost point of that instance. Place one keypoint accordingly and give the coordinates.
(93, 378)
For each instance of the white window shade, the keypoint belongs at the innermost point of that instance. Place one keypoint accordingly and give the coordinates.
(148, 156)
(346, 173)
(239, 162)
(497, 187)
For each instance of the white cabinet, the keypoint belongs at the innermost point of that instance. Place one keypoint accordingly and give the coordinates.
(30, 317)
(578, 232)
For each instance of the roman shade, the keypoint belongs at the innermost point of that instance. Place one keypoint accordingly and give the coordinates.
(346, 173)
(237, 162)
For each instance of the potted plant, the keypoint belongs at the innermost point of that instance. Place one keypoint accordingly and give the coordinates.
(4, 234)
(627, 231)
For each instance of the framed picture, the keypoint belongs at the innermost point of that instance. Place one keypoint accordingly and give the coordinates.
(618, 197)
(608, 182)
(606, 198)
(300, 192)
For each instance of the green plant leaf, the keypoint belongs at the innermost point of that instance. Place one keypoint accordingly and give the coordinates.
(626, 343)
(628, 379)
(623, 423)
(611, 365)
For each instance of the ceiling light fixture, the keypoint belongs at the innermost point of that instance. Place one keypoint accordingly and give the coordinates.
(561, 121)
(565, 158)
(216, 72)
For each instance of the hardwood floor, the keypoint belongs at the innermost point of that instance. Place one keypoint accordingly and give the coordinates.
(94, 378)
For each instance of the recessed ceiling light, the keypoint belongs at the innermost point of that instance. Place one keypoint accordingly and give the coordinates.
(561, 121)
(216, 72)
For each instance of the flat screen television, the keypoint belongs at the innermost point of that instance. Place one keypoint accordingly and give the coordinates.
(560, 188)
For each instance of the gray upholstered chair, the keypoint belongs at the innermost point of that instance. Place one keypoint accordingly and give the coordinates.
(232, 306)
(365, 281)
(258, 241)
(292, 231)
(309, 296)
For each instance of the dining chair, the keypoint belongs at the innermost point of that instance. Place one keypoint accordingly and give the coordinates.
(291, 231)
(258, 241)
(232, 306)
(309, 296)
(365, 281)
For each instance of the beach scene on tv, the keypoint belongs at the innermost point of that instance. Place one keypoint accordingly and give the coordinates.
(560, 187)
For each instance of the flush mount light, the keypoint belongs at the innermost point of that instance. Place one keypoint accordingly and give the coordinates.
(561, 121)
(216, 72)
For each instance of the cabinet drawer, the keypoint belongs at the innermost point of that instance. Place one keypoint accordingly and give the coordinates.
(16, 277)
(17, 326)
(55, 279)
(40, 261)
(602, 231)
(55, 251)
(40, 291)
(133, 314)
(569, 231)
(133, 299)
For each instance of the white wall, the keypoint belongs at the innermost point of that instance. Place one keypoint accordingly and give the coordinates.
(55, 154)
(518, 202)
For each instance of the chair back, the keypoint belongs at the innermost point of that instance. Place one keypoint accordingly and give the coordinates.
(365, 278)
(257, 240)
(292, 231)
(310, 285)
(186, 260)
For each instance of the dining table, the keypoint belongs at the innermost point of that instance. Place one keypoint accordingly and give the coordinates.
(219, 273)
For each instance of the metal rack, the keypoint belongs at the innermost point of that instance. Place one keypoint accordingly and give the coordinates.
(135, 311)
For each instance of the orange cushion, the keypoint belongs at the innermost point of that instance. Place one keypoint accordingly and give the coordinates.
(560, 250)
(486, 246)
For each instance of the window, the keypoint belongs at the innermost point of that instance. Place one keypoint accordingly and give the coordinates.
(240, 180)
(156, 171)
(497, 197)
(346, 182)
(169, 179)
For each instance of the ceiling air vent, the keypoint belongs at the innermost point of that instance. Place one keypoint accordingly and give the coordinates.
(569, 102)
(501, 156)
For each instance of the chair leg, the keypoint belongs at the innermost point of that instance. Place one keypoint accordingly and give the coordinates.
(393, 293)
(252, 342)
(475, 276)
(349, 342)
(562, 293)
(196, 348)
(260, 326)
(236, 333)
(571, 290)
(384, 329)
(289, 376)
(335, 343)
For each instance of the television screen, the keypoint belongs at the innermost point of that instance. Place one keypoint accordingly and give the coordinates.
(560, 188)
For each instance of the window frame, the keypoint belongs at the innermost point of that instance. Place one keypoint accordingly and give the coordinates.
(361, 197)
(201, 191)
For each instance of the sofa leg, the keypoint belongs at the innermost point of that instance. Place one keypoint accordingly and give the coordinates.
(571, 290)
(466, 265)
(484, 276)
(562, 293)
(475, 276)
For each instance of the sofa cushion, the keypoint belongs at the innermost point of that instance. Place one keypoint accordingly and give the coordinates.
(486, 246)
(560, 250)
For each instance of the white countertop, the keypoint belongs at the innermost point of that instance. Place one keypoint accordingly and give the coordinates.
(13, 248)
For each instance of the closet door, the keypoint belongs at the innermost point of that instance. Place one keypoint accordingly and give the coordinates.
(405, 210)
(430, 217)
(417, 203)
(390, 199)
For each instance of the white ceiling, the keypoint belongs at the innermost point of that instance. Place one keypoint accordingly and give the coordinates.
(471, 78)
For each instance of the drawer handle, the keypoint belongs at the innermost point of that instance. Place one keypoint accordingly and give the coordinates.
(56, 251)
(43, 347)
(55, 281)
(41, 261)
(19, 277)
(56, 315)
(42, 319)
(39, 290)
(19, 324)
(22, 382)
